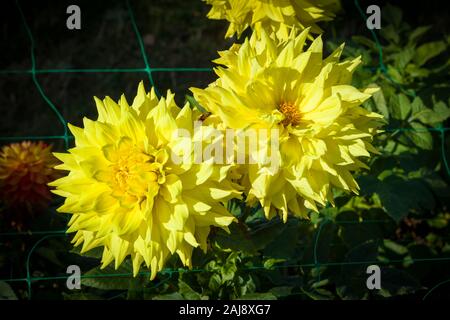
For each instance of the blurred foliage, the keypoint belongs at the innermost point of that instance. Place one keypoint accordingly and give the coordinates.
(400, 220)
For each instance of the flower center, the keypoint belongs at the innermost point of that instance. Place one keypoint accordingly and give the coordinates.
(133, 171)
(291, 114)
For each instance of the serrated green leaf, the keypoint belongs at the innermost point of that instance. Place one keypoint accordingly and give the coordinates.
(417, 106)
(428, 51)
(402, 58)
(215, 282)
(405, 106)
(431, 117)
(228, 270)
(420, 136)
(187, 292)
(380, 102)
(108, 278)
(395, 74)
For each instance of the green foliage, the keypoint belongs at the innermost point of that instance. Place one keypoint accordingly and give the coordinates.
(6, 293)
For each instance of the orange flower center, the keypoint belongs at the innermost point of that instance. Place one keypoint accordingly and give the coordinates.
(291, 114)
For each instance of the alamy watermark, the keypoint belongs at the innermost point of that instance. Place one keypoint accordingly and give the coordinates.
(74, 20)
(374, 280)
(227, 146)
(374, 20)
(74, 279)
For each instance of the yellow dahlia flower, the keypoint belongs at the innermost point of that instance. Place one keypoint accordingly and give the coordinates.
(323, 130)
(25, 170)
(278, 16)
(127, 193)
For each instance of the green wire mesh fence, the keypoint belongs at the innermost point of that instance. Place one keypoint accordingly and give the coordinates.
(29, 279)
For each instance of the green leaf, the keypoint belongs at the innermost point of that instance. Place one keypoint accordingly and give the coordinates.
(229, 269)
(282, 291)
(428, 51)
(403, 107)
(258, 296)
(136, 288)
(395, 247)
(318, 294)
(267, 233)
(420, 136)
(441, 112)
(269, 263)
(439, 222)
(108, 278)
(395, 282)
(187, 292)
(237, 239)
(93, 253)
(380, 102)
(417, 106)
(366, 42)
(50, 255)
(399, 196)
(394, 74)
(403, 57)
(356, 233)
(431, 117)
(215, 282)
(284, 245)
(416, 72)
(417, 33)
(6, 293)
(352, 279)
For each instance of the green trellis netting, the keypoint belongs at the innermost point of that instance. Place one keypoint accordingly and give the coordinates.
(149, 71)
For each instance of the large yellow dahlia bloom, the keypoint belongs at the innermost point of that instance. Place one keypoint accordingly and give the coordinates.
(127, 193)
(278, 16)
(323, 130)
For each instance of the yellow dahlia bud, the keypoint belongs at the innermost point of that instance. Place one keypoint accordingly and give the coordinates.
(128, 191)
(322, 128)
(279, 16)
